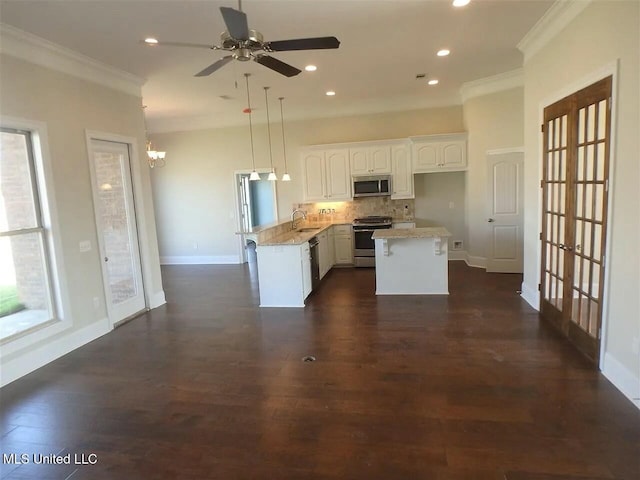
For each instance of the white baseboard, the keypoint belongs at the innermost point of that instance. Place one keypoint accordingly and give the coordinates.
(34, 359)
(199, 260)
(477, 262)
(157, 299)
(622, 378)
(532, 297)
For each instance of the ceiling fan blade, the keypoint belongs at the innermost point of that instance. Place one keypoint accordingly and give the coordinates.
(236, 22)
(278, 66)
(214, 66)
(318, 43)
(180, 44)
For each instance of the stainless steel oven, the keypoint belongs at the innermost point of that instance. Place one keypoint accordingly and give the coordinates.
(364, 247)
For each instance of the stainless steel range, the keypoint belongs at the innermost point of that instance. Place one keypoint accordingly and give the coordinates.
(364, 249)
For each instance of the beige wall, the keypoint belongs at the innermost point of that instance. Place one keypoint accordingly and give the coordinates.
(604, 32)
(494, 122)
(440, 201)
(68, 106)
(194, 192)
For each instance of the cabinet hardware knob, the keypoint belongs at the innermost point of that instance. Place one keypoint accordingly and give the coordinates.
(491, 220)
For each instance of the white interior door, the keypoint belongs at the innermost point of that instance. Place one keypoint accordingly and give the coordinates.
(117, 229)
(505, 216)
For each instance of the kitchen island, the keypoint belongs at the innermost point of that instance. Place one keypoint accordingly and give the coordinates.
(412, 261)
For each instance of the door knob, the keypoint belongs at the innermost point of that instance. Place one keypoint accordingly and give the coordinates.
(491, 220)
(106, 259)
(566, 247)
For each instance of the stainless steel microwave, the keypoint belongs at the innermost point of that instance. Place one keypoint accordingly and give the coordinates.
(372, 186)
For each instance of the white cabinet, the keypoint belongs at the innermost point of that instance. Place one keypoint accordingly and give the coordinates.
(284, 274)
(324, 259)
(436, 153)
(326, 175)
(332, 246)
(402, 181)
(370, 160)
(343, 241)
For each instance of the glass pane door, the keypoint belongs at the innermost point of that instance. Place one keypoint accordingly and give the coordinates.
(116, 224)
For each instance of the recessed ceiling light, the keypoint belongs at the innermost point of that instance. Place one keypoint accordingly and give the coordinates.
(433, 82)
(330, 93)
(460, 3)
(310, 68)
(443, 53)
(151, 41)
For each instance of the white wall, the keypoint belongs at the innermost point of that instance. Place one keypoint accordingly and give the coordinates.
(193, 193)
(440, 201)
(604, 32)
(68, 106)
(494, 121)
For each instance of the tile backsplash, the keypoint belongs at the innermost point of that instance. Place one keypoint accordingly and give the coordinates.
(360, 207)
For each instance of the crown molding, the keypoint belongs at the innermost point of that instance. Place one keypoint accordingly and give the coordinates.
(561, 13)
(33, 49)
(493, 84)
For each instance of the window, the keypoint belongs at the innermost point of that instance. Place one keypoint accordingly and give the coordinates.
(25, 287)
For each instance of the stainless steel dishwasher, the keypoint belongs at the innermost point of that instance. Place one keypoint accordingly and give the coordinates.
(315, 263)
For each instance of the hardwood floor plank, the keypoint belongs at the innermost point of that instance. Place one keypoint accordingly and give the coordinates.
(470, 386)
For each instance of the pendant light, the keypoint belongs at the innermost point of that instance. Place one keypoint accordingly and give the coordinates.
(272, 174)
(254, 175)
(285, 176)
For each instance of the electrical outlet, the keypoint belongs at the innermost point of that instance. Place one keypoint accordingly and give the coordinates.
(457, 245)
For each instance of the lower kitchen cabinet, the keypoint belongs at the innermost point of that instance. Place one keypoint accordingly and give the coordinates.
(343, 241)
(284, 274)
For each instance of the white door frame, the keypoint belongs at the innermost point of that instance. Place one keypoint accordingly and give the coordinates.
(488, 156)
(242, 254)
(136, 186)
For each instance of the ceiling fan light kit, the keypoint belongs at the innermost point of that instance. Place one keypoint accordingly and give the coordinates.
(246, 44)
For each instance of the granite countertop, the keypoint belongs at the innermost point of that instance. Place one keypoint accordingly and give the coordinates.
(297, 237)
(425, 232)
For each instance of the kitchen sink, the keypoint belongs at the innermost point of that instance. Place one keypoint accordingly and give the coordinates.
(307, 229)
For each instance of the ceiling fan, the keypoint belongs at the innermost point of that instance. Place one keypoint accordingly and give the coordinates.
(245, 44)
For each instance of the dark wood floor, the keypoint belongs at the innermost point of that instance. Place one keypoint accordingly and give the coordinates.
(469, 386)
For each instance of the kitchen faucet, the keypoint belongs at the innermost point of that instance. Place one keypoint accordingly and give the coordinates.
(293, 215)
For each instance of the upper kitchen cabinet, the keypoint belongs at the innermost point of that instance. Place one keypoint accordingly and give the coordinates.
(369, 160)
(326, 175)
(437, 153)
(401, 169)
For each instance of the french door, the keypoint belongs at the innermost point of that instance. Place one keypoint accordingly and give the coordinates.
(576, 136)
(117, 229)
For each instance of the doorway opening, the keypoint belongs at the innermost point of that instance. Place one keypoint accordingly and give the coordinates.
(257, 207)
